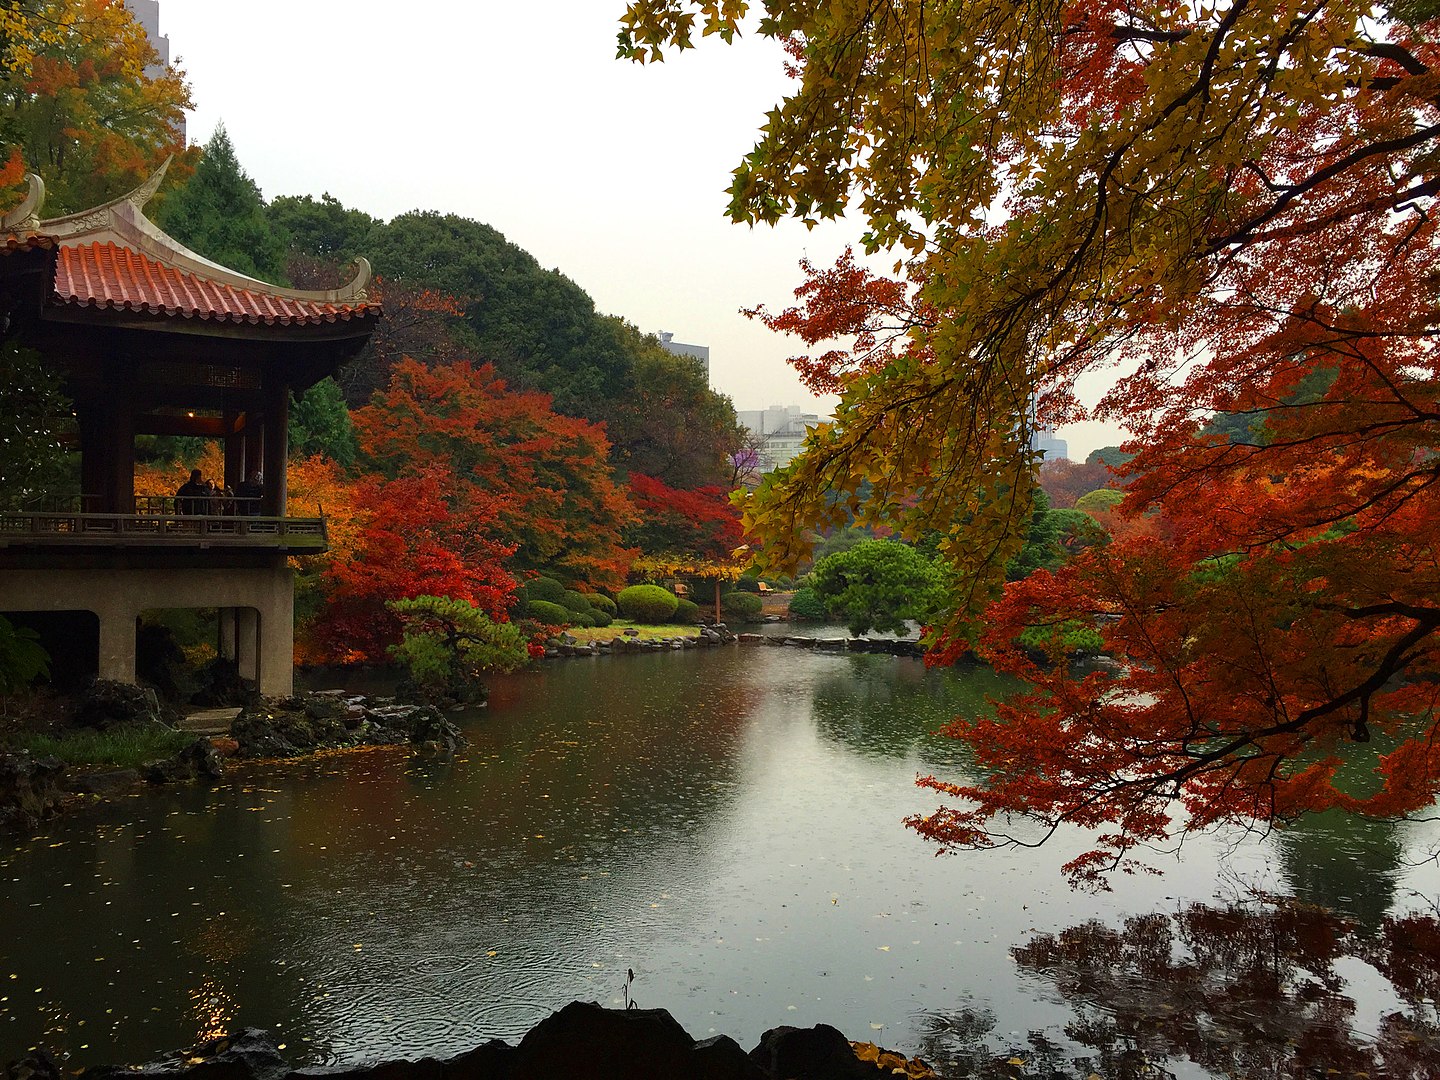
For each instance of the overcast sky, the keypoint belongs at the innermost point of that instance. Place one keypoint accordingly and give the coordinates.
(517, 114)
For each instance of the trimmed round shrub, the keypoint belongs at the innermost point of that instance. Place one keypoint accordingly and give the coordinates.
(544, 588)
(582, 618)
(687, 612)
(576, 601)
(602, 603)
(807, 606)
(551, 614)
(742, 605)
(647, 603)
(601, 618)
(746, 583)
(1099, 499)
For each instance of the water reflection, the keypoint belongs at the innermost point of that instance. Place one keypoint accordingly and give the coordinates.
(725, 823)
(1274, 988)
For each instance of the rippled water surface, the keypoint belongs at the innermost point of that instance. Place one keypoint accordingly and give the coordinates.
(724, 823)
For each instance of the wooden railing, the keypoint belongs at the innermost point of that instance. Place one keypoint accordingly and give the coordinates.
(160, 524)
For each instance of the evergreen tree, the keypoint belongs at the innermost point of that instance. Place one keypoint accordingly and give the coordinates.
(221, 215)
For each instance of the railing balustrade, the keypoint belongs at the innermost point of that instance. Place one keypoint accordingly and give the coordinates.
(158, 522)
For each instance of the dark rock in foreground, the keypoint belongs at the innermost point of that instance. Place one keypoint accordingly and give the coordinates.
(583, 1041)
(30, 789)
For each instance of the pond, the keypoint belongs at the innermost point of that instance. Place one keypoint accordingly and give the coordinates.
(724, 823)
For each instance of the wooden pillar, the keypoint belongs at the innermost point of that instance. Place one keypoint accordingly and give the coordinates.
(119, 460)
(234, 450)
(277, 445)
(92, 456)
(717, 601)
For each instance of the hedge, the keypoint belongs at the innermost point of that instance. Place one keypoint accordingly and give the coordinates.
(551, 614)
(647, 603)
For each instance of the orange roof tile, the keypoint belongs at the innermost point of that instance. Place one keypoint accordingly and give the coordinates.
(105, 275)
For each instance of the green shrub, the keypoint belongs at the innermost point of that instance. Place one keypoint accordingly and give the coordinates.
(746, 583)
(22, 659)
(806, 605)
(602, 603)
(1070, 638)
(647, 603)
(582, 618)
(544, 588)
(601, 618)
(1099, 499)
(576, 601)
(687, 612)
(551, 614)
(741, 605)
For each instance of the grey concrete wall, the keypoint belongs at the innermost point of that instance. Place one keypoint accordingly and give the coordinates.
(118, 597)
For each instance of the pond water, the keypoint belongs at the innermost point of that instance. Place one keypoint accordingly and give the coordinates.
(724, 823)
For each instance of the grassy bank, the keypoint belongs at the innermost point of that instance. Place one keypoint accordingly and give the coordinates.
(646, 631)
(122, 747)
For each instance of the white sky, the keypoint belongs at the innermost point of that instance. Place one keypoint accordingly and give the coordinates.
(518, 115)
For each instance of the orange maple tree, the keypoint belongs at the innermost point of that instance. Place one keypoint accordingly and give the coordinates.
(540, 482)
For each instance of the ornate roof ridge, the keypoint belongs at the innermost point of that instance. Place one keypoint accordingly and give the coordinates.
(123, 222)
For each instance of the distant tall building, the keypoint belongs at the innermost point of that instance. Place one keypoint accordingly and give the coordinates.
(780, 430)
(695, 352)
(1044, 440)
(147, 14)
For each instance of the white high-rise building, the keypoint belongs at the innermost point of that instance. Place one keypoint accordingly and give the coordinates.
(695, 352)
(781, 430)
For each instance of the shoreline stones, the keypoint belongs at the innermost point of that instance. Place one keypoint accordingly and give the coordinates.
(337, 719)
(567, 645)
(881, 646)
(582, 1041)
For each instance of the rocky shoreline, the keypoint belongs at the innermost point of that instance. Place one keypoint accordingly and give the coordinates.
(33, 789)
(582, 1041)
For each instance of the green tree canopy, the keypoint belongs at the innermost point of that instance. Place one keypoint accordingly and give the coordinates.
(878, 584)
(221, 214)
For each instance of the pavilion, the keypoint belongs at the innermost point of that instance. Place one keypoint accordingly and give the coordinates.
(151, 338)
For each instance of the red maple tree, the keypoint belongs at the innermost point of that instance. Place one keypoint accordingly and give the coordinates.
(541, 483)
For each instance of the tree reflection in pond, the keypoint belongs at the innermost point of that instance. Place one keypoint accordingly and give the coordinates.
(1246, 990)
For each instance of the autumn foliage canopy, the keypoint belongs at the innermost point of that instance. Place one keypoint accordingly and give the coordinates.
(1222, 203)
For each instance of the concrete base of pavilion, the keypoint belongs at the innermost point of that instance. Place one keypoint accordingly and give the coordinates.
(256, 606)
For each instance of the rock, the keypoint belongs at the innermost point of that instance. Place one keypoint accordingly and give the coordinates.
(817, 1053)
(800, 642)
(250, 1054)
(37, 1066)
(631, 632)
(752, 639)
(107, 704)
(198, 761)
(831, 644)
(584, 1041)
(30, 789)
(224, 745)
(103, 783)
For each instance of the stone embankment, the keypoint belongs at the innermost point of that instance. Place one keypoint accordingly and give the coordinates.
(568, 645)
(884, 646)
(583, 1041)
(632, 642)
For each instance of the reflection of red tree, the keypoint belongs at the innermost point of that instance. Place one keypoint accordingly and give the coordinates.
(1246, 991)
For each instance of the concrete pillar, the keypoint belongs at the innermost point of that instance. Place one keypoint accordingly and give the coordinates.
(117, 642)
(248, 645)
(226, 645)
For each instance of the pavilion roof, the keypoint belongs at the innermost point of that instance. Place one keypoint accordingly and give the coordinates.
(106, 275)
(114, 258)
